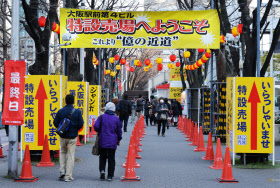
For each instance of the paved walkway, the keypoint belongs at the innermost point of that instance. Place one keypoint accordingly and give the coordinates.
(166, 162)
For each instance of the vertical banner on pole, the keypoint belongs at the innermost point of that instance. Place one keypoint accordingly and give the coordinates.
(80, 91)
(42, 101)
(94, 103)
(13, 113)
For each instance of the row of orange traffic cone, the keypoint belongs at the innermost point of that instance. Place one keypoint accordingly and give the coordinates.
(133, 149)
(187, 127)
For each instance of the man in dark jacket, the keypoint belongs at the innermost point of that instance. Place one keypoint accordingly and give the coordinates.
(69, 139)
(154, 104)
(125, 111)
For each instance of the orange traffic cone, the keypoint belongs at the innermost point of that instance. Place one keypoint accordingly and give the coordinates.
(93, 132)
(137, 135)
(78, 141)
(130, 174)
(227, 170)
(131, 143)
(26, 171)
(200, 146)
(209, 152)
(187, 128)
(218, 160)
(1, 153)
(182, 125)
(46, 158)
(191, 132)
(195, 137)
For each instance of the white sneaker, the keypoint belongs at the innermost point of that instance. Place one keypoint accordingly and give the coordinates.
(69, 179)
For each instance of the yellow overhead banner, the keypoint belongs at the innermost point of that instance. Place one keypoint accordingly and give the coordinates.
(175, 74)
(94, 102)
(148, 29)
(44, 96)
(80, 91)
(252, 110)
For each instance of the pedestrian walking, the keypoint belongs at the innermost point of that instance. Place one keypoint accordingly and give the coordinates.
(154, 104)
(68, 140)
(133, 109)
(139, 107)
(147, 107)
(162, 110)
(110, 134)
(168, 112)
(116, 101)
(124, 107)
(177, 110)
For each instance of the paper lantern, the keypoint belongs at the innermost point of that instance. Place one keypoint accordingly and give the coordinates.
(147, 62)
(200, 50)
(187, 67)
(58, 31)
(131, 69)
(139, 64)
(136, 62)
(239, 27)
(113, 73)
(117, 57)
(169, 65)
(199, 63)
(222, 39)
(177, 64)
(111, 60)
(54, 26)
(150, 65)
(96, 63)
(159, 67)
(123, 61)
(118, 67)
(195, 66)
(158, 60)
(205, 58)
(172, 66)
(235, 32)
(107, 71)
(146, 69)
(172, 57)
(187, 54)
(203, 61)
(191, 67)
(42, 21)
(207, 55)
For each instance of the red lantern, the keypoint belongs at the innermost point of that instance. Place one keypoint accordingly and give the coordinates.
(159, 67)
(58, 30)
(207, 55)
(140, 64)
(117, 57)
(131, 69)
(203, 60)
(177, 64)
(200, 50)
(197, 64)
(54, 26)
(172, 58)
(239, 27)
(123, 61)
(42, 21)
(147, 62)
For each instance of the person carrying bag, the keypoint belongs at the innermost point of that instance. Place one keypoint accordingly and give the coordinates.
(162, 110)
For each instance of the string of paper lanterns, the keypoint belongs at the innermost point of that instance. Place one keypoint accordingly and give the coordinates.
(201, 61)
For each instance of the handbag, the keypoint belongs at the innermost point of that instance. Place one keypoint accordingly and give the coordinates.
(95, 148)
(64, 124)
(163, 116)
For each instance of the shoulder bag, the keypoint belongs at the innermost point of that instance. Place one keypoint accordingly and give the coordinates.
(64, 124)
(95, 148)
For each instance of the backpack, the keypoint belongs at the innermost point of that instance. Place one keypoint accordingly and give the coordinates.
(64, 124)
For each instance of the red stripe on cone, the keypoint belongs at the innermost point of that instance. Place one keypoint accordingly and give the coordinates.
(218, 160)
(45, 158)
(227, 170)
(209, 152)
(200, 145)
(26, 171)
(195, 137)
(131, 143)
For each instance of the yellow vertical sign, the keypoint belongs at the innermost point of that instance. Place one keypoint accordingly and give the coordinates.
(253, 115)
(80, 91)
(175, 93)
(94, 102)
(230, 113)
(175, 74)
(43, 98)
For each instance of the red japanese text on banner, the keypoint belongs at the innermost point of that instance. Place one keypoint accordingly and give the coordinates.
(13, 113)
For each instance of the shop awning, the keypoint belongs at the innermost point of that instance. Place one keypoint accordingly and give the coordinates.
(164, 86)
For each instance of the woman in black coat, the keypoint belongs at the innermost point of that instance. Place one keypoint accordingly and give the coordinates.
(147, 107)
(177, 110)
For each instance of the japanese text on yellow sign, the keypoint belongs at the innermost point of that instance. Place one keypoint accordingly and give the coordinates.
(175, 92)
(254, 118)
(80, 91)
(94, 102)
(43, 98)
(158, 29)
(175, 75)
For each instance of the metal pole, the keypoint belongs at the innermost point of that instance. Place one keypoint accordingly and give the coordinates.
(49, 62)
(211, 86)
(64, 52)
(258, 38)
(99, 66)
(271, 36)
(13, 129)
(82, 51)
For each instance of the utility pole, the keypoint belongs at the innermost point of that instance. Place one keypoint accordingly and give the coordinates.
(82, 51)
(13, 129)
(258, 38)
(271, 37)
(211, 86)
